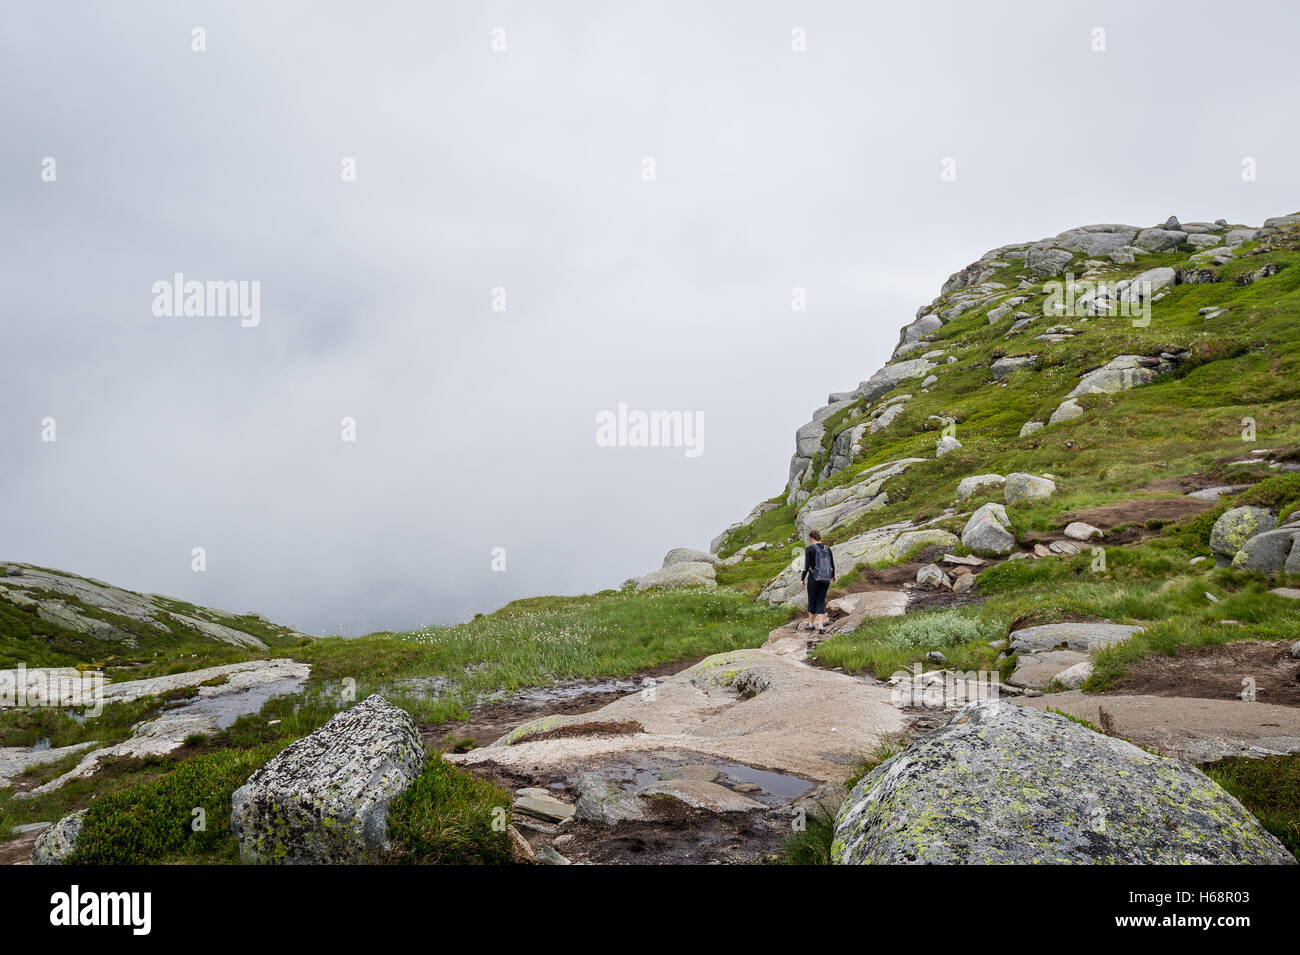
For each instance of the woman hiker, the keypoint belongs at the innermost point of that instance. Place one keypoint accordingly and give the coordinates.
(818, 575)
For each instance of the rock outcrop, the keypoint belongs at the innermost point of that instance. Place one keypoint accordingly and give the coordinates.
(1003, 783)
(325, 798)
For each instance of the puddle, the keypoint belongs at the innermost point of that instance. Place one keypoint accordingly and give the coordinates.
(777, 784)
(436, 687)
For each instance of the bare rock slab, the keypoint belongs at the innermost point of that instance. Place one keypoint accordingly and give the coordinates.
(325, 798)
(1083, 637)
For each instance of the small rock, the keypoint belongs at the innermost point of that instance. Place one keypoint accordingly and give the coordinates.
(1026, 487)
(931, 575)
(945, 444)
(1081, 532)
(549, 856)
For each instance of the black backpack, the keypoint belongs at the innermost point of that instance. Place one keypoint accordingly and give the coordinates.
(822, 566)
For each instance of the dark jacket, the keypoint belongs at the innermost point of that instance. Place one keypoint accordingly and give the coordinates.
(810, 559)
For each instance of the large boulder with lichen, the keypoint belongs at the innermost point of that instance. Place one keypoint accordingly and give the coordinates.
(325, 798)
(1004, 783)
(1235, 526)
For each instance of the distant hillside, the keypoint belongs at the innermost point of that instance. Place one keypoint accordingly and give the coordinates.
(1120, 359)
(53, 618)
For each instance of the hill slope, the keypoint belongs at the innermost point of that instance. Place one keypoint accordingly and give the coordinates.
(54, 618)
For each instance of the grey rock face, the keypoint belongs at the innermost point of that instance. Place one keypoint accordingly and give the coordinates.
(55, 844)
(1013, 784)
(1026, 487)
(1237, 525)
(1048, 261)
(325, 798)
(1095, 244)
(1266, 553)
(946, 444)
(1029, 427)
(891, 376)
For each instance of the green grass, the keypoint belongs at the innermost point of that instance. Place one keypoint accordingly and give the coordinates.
(1269, 787)
(448, 817)
(541, 641)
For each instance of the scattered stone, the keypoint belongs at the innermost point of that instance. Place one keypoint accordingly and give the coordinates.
(945, 444)
(970, 485)
(1004, 367)
(1121, 374)
(1074, 677)
(1035, 670)
(1067, 410)
(932, 575)
(1026, 487)
(545, 807)
(964, 582)
(1030, 427)
(520, 849)
(1077, 530)
(603, 801)
(986, 530)
(549, 856)
(934, 656)
(1063, 547)
(699, 794)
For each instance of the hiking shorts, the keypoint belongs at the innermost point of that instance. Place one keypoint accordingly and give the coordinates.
(817, 595)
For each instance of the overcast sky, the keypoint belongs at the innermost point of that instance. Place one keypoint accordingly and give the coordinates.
(523, 169)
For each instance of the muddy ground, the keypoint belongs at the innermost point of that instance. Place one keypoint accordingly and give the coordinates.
(1217, 672)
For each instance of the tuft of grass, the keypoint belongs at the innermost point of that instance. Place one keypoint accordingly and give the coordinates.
(1269, 787)
(449, 817)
